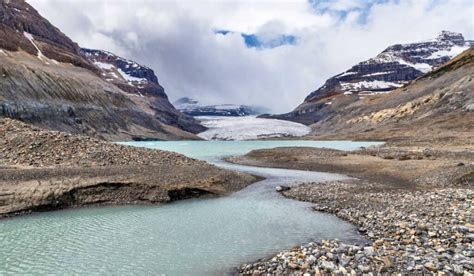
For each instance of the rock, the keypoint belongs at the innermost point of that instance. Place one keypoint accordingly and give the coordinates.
(430, 266)
(311, 259)
(344, 260)
(387, 262)
(282, 188)
(364, 268)
(421, 226)
(458, 269)
(329, 266)
(369, 251)
(292, 265)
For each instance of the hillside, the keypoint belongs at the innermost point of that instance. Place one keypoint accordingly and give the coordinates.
(438, 104)
(46, 79)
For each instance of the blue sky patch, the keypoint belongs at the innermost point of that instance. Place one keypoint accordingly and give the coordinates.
(253, 41)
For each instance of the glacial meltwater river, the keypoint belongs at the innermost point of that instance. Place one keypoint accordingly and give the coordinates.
(189, 237)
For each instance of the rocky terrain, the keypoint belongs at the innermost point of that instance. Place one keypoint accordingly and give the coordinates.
(395, 67)
(46, 79)
(413, 204)
(46, 170)
(418, 232)
(194, 108)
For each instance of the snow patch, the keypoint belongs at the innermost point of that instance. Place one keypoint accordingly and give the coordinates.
(454, 51)
(249, 128)
(31, 39)
(103, 65)
(378, 74)
(130, 79)
(346, 74)
(376, 84)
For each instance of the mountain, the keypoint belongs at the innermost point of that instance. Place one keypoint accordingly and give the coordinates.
(395, 67)
(437, 104)
(194, 108)
(46, 79)
(142, 84)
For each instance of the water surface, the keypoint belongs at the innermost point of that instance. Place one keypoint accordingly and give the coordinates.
(191, 237)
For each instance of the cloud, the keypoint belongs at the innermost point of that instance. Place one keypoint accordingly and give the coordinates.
(178, 40)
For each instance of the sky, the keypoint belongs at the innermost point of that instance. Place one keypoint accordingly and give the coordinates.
(271, 53)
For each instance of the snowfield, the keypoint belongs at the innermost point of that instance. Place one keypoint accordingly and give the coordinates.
(248, 128)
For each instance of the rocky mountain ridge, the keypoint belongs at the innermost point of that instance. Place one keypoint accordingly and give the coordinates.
(393, 68)
(46, 79)
(126, 74)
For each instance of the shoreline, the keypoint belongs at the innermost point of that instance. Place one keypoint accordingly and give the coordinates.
(48, 170)
(417, 221)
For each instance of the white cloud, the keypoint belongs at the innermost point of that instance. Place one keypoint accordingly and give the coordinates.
(177, 40)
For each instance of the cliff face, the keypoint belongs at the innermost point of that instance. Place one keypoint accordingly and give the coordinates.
(46, 80)
(395, 67)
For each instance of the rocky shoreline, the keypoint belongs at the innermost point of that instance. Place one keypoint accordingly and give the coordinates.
(49, 170)
(410, 232)
(415, 223)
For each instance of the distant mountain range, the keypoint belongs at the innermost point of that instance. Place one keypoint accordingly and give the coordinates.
(393, 68)
(48, 80)
(194, 108)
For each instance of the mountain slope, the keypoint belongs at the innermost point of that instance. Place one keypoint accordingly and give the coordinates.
(438, 104)
(47, 81)
(20, 22)
(394, 67)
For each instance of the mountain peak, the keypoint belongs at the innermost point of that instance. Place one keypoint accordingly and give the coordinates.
(456, 38)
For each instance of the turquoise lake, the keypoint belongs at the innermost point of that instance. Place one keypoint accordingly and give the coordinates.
(190, 237)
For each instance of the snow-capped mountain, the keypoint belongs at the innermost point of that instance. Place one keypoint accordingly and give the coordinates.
(127, 74)
(395, 66)
(194, 108)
